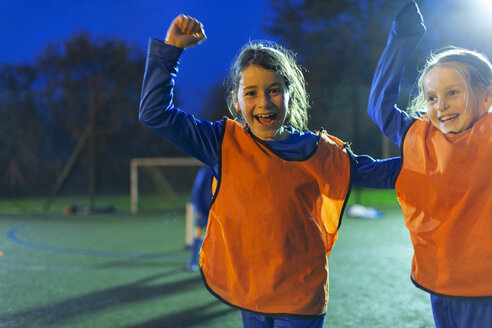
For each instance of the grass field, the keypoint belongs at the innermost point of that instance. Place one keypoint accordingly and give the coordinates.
(123, 270)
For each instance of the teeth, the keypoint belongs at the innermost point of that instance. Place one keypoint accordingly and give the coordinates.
(447, 117)
(264, 115)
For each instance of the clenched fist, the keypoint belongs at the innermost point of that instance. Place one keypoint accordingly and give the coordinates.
(185, 32)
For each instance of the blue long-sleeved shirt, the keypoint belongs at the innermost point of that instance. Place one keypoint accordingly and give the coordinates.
(405, 34)
(201, 138)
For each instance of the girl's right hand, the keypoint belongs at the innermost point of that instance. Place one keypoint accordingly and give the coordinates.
(185, 32)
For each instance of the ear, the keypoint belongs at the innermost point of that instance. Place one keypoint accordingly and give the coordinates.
(487, 98)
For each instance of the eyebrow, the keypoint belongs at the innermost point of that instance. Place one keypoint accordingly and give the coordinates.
(451, 87)
(455, 86)
(271, 85)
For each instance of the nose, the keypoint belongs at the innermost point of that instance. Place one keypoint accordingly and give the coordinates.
(265, 100)
(442, 104)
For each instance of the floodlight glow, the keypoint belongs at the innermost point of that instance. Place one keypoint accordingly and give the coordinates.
(484, 4)
(481, 14)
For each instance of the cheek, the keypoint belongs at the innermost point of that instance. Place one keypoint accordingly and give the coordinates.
(240, 103)
(475, 114)
(245, 104)
(244, 108)
(283, 101)
(432, 114)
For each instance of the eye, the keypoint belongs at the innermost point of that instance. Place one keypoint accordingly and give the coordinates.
(453, 92)
(431, 98)
(250, 93)
(275, 91)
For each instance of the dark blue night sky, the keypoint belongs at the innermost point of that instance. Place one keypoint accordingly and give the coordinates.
(27, 25)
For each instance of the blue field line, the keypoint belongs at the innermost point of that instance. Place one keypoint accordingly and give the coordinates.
(13, 237)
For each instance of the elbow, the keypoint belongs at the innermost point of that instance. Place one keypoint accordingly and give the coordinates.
(144, 116)
(146, 120)
(374, 102)
(147, 111)
(153, 116)
(141, 120)
(372, 107)
(143, 110)
(370, 111)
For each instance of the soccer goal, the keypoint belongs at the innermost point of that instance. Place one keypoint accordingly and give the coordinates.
(178, 175)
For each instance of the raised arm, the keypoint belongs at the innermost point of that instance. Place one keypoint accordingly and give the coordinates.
(407, 30)
(198, 138)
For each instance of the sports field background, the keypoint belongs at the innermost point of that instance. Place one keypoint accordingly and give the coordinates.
(123, 270)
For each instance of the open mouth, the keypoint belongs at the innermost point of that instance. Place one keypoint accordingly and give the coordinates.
(266, 119)
(447, 118)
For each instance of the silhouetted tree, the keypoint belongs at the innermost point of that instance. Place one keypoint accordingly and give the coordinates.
(84, 84)
(20, 133)
(92, 83)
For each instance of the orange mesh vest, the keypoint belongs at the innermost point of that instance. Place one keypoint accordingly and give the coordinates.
(272, 225)
(445, 192)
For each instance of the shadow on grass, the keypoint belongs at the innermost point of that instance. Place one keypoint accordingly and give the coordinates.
(194, 317)
(145, 261)
(58, 312)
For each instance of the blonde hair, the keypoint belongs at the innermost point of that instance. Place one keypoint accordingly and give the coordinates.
(272, 56)
(473, 67)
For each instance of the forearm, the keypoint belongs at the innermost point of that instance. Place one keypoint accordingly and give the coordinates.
(371, 173)
(405, 34)
(156, 99)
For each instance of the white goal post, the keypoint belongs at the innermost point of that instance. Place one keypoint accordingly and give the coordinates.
(135, 163)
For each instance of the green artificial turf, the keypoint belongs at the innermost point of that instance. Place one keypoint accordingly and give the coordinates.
(123, 270)
(154, 203)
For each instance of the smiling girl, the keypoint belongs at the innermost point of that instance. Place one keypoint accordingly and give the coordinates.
(280, 190)
(444, 187)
